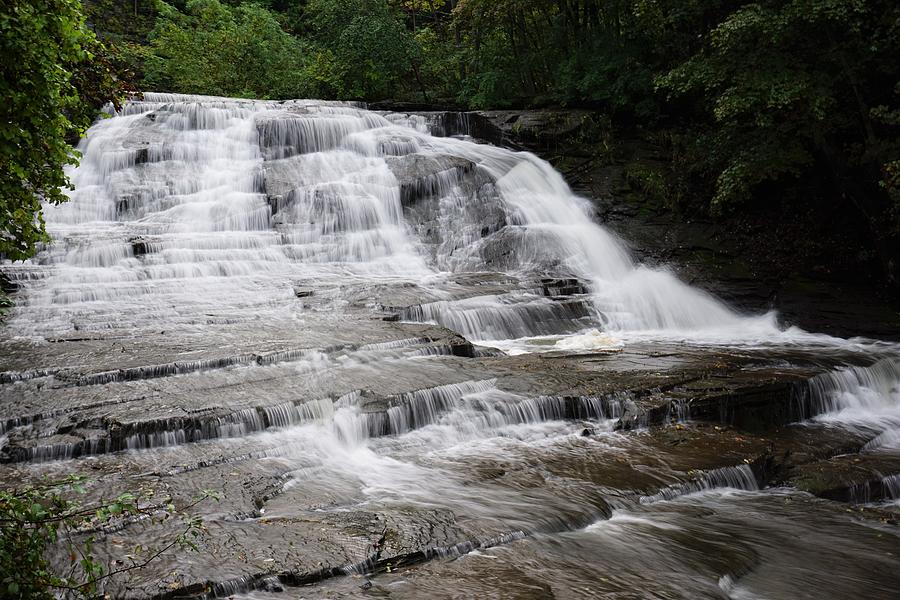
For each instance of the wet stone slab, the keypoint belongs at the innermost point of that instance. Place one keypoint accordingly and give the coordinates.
(319, 452)
(301, 511)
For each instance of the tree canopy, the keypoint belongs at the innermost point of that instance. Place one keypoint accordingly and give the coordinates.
(212, 48)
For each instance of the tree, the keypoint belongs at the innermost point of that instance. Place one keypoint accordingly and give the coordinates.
(215, 49)
(364, 48)
(788, 88)
(45, 54)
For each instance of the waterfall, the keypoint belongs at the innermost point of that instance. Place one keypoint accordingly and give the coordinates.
(863, 398)
(891, 485)
(191, 207)
(740, 477)
(308, 305)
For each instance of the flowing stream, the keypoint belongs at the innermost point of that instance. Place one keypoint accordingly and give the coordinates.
(352, 327)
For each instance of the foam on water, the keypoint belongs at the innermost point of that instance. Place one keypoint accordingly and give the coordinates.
(739, 478)
(624, 520)
(891, 485)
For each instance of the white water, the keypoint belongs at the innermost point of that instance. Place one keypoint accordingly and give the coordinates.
(862, 398)
(170, 222)
(738, 478)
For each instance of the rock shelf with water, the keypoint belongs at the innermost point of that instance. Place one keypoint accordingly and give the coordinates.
(417, 364)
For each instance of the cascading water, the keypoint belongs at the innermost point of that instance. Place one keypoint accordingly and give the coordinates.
(185, 206)
(278, 300)
(866, 398)
(740, 478)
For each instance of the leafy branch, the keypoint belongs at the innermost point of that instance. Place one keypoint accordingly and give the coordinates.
(33, 518)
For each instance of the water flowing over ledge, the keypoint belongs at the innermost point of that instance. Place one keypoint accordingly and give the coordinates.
(357, 325)
(185, 206)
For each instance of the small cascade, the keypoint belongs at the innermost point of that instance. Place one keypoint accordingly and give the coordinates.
(678, 411)
(415, 410)
(156, 371)
(882, 489)
(293, 354)
(466, 408)
(891, 487)
(740, 478)
(863, 398)
(889, 439)
(479, 406)
(238, 585)
(176, 431)
(394, 344)
(466, 547)
(449, 124)
(487, 318)
(289, 413)
(864, 388)
(14, 376)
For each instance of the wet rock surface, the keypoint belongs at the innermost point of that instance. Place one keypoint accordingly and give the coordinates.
(688, 421)
(398, 382)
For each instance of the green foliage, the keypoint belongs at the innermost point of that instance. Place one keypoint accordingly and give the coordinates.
(504, 51)
(34, 519)
(51, 87)
(218, 50)
(612, 77)
(494, 80)
(599, 54)
(438, 62)
(785, 84)
(483, 53)
(365, 50)
(121, 22)
(650, 181)
(124, 28)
